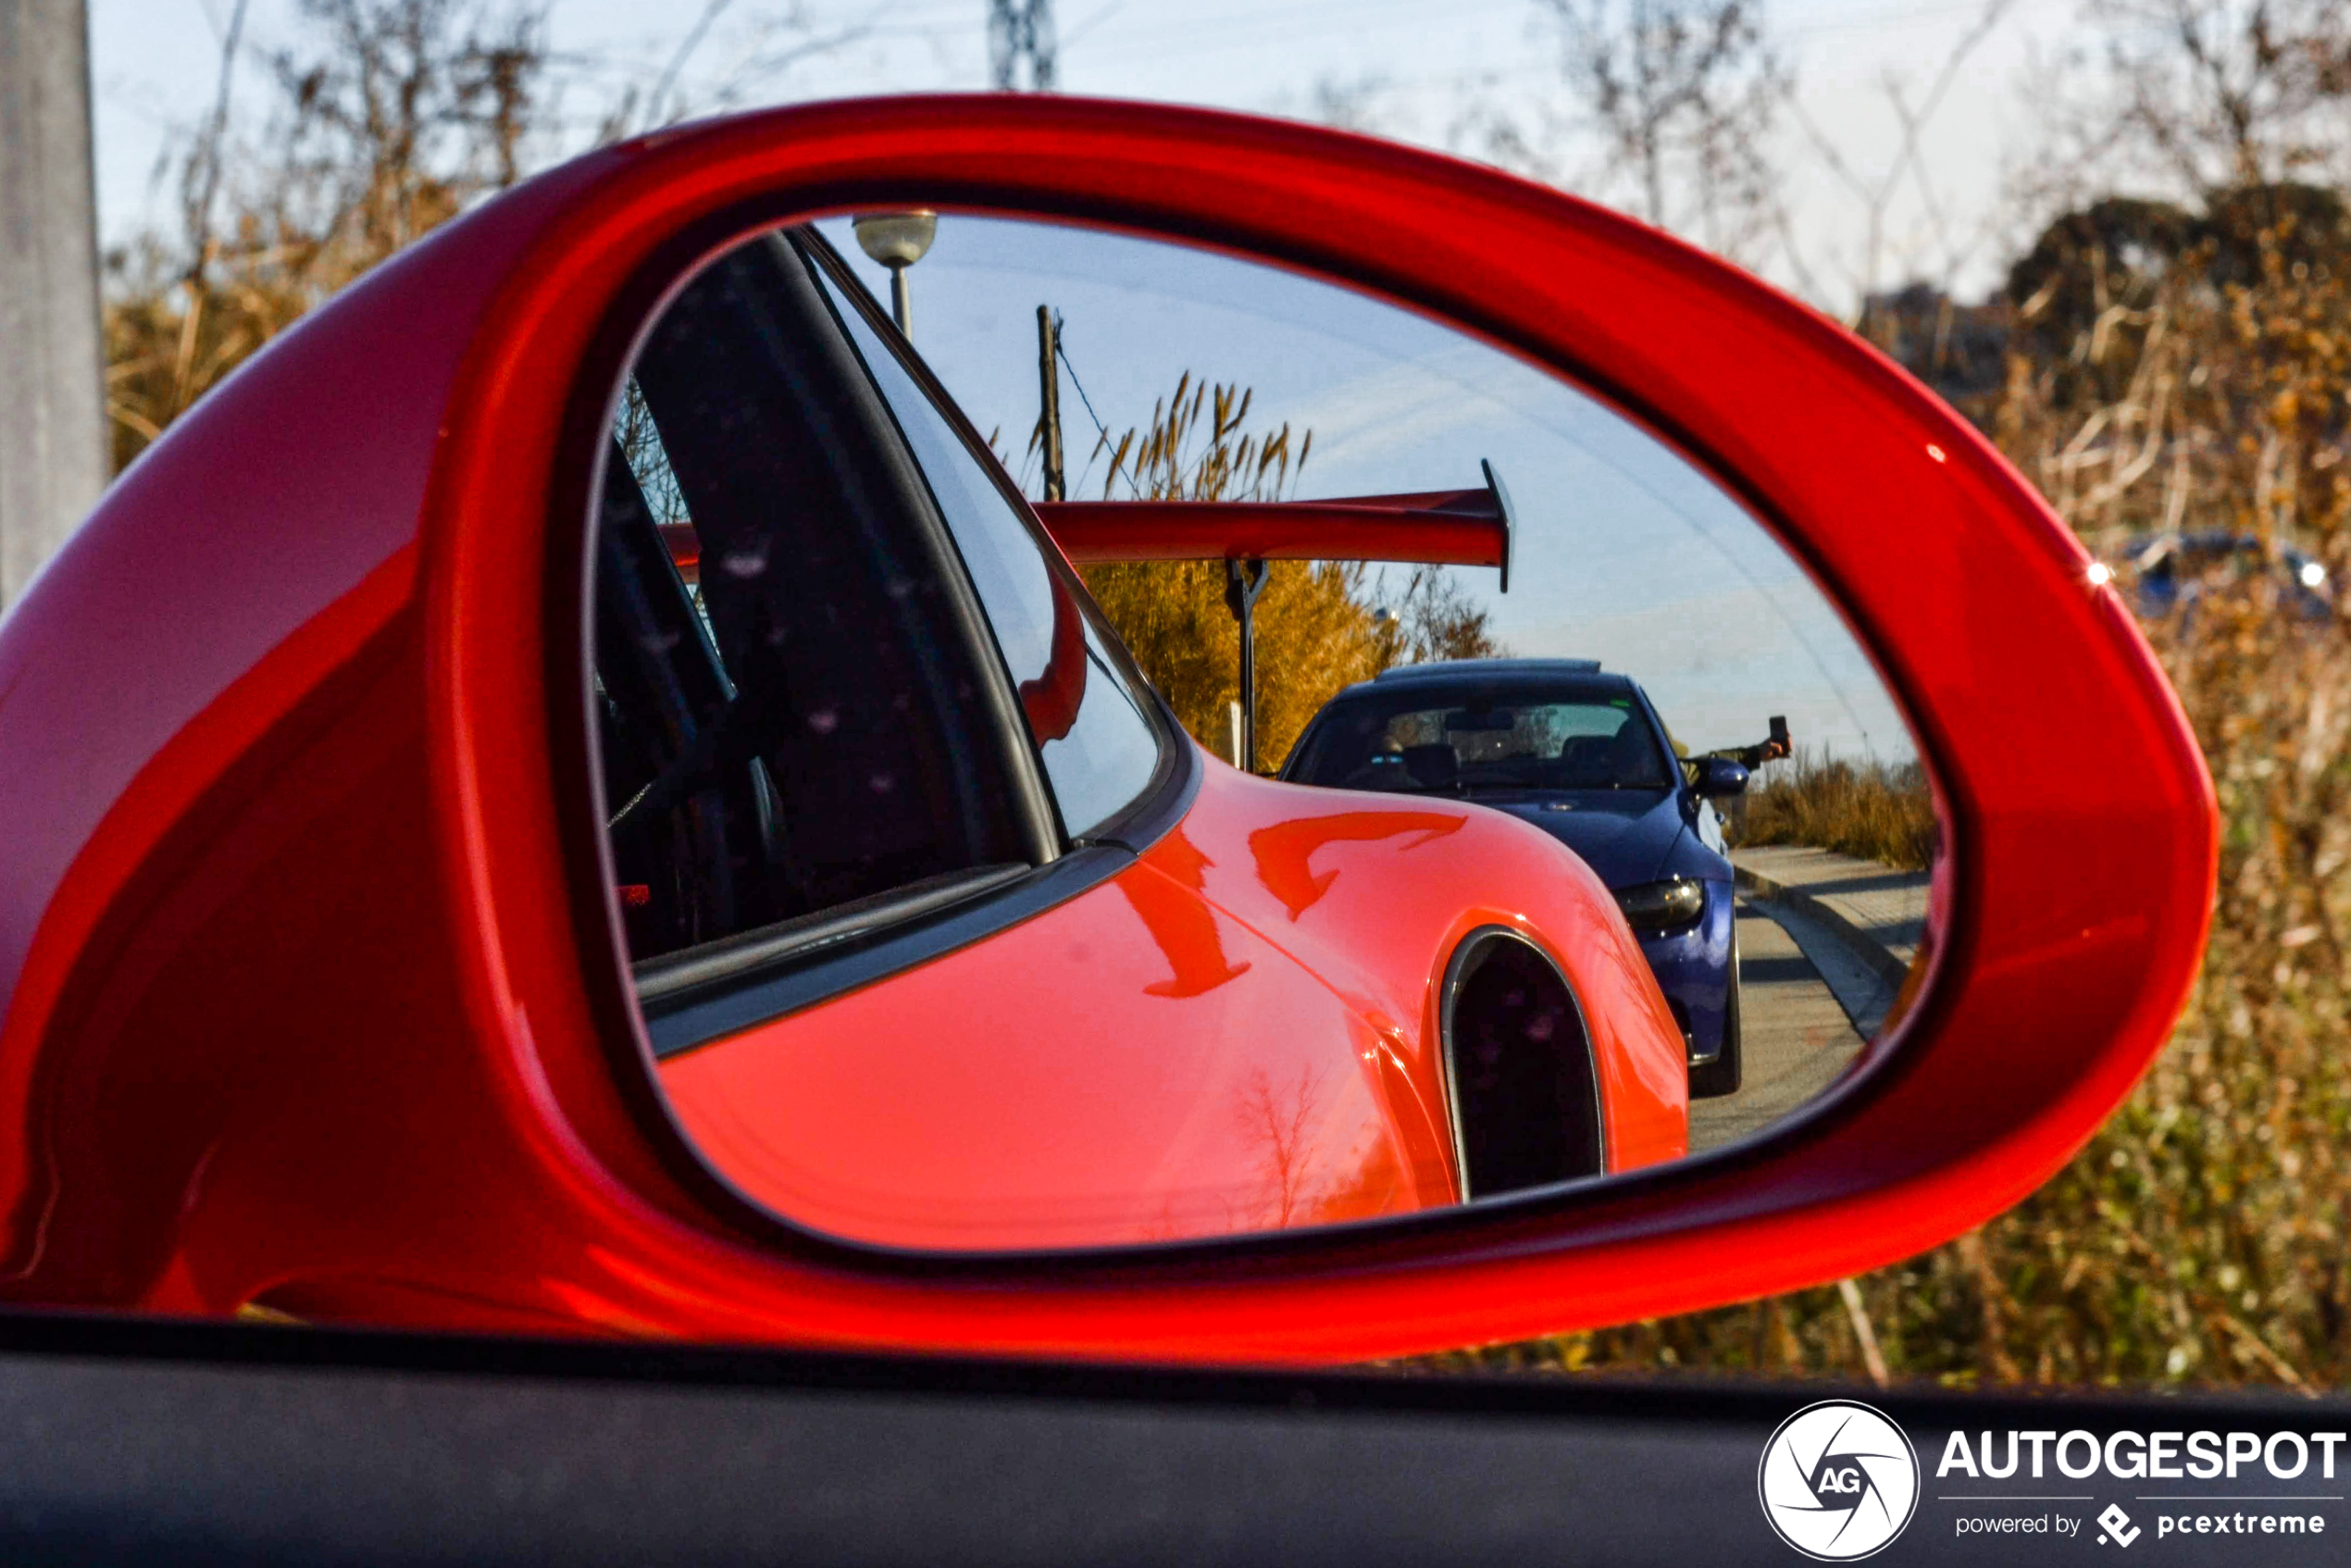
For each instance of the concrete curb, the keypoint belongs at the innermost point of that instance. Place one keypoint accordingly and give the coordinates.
(1871, 953)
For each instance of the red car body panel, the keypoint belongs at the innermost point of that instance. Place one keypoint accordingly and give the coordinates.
(313, 997)
(1238, 1033)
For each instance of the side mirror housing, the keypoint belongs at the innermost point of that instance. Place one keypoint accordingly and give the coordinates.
(311, 998)
(1719, 777)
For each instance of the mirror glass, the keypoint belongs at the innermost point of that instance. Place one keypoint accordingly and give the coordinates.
(1583, 835)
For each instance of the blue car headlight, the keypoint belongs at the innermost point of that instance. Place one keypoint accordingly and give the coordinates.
(1655, 907)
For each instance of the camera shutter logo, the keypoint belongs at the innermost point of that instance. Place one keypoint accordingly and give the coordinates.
(1839, 1480)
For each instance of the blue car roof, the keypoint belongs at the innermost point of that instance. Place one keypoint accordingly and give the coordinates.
(1469, 669)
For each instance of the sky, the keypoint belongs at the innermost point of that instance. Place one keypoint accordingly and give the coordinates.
(1413, 68)
(1626, 551)
(1655, 570)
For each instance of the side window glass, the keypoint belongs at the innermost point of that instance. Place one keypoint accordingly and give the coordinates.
(791, 713)
(1100, 750)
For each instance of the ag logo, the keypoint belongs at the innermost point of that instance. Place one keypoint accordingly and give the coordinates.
(1839, 1480)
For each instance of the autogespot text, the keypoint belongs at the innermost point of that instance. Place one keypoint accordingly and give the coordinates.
(2135, 1456)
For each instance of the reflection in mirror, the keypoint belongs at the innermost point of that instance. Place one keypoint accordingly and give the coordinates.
(1581, 834)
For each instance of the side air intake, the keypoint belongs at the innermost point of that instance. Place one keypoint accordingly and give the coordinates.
(1518, 1068)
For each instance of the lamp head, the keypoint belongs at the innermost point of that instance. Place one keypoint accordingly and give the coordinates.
(896, 239)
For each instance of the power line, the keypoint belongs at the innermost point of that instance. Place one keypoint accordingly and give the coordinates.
(1061, 351)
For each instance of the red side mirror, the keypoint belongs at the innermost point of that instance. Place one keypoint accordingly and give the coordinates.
(308, 953)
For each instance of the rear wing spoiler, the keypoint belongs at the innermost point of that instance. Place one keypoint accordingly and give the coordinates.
(1456, 527)
(1453, 527)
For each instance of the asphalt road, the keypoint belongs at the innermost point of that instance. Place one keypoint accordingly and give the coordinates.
(1797, 1039)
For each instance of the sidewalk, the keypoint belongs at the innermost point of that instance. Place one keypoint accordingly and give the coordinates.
(1857, 921)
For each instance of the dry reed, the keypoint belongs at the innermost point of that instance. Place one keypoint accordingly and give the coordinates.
(1877, 811)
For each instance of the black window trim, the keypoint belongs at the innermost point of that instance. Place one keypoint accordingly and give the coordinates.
(690, 969)
(1145, 819)
(895, 933)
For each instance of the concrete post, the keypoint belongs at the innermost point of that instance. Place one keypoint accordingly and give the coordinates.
(54, 457)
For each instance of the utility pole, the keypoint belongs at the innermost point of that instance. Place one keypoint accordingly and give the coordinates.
(1017, 30)
(1244, 580)
(1049, 399)
(52, 437)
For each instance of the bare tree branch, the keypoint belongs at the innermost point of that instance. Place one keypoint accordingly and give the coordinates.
(208, 150)
(686, 47)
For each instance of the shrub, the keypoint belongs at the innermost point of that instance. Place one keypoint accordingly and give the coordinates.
(1875, 810)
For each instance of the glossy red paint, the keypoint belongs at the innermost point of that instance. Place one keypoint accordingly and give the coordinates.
(297, 1016)
(1220, 1040)
(685, 549)
(1461, 528)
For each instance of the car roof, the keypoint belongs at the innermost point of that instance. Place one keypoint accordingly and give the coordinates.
(1443, 669)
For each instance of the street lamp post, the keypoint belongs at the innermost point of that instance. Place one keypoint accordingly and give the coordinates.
(897, 240)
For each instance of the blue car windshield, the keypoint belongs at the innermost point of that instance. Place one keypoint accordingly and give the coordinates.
(1428, 743)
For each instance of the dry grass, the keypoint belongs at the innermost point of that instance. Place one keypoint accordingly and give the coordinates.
(387, 118)
(1873, 810)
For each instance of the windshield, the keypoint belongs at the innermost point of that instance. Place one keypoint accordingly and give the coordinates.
(1460, 741)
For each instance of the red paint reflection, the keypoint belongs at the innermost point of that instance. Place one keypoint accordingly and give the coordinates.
(1052, 698)
(1186, 933)
(1283, 851)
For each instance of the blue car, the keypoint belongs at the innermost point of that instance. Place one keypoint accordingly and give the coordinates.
(1580, 753)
